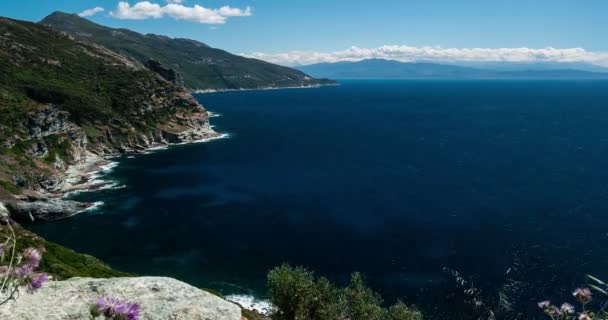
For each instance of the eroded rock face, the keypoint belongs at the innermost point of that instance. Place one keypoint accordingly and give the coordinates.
(3, 211)
(167, 73)
(44, 209)
(48, 120)
(159, 299)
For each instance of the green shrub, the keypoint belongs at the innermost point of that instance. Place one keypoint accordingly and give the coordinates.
(58, 146)
(61, 262)
(400, 311)
(299, 295)
(251, 315)
(361, 301)
(10, 187)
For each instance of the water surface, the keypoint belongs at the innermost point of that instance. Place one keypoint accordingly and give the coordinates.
(397, 179)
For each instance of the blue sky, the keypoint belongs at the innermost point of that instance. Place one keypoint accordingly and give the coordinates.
(279, 26)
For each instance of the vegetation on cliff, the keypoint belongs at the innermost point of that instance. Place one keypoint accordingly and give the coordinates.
(299, 295)
(58, 261)
(201, 66)
(60, 96)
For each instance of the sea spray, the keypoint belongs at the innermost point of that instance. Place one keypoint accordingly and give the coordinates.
(96, 205)
(248, 302)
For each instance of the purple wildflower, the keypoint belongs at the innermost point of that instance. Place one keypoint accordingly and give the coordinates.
(23, 271)
(117, 309)
(567, 308)
(553, 311)
(133, 312)
(544, 304)
(37, 282)
(32, 257)
(582, 295)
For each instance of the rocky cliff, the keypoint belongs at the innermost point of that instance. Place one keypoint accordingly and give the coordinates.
(67, 105)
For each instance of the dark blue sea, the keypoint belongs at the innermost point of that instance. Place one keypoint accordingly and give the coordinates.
(505, 182)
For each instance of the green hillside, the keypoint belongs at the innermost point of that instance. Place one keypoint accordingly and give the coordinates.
(201, 66)
(59, 96)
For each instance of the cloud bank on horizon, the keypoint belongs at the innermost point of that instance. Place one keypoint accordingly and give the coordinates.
(406, 53)
(175, 9)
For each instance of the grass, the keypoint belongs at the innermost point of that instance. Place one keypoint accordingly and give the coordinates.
(61, 262)
(251, 315)
(10, 187)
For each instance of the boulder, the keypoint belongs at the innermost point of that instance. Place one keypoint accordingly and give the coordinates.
(159, 298)
(4, 213)
(44, 209)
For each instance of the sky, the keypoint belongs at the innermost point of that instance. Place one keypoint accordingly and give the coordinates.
(293, 32)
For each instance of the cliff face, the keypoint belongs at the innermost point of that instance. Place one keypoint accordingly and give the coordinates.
(67, 104)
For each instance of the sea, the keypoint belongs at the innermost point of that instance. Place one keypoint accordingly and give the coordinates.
(429, 188)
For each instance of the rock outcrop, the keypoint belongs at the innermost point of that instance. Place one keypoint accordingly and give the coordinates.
(44, 209)
(167, 73)
(159, 298)
(4, 213)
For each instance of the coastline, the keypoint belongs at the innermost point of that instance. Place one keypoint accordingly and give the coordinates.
(205, 91)
(51, 201)
(88, 176)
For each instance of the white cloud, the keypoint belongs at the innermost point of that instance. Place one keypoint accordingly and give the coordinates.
(175, 1)
(139, 11)
(147, 10)
(437, 54)
(91, 12)
(227, 11)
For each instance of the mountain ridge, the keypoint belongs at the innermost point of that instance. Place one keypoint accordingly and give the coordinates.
(392, 69)
(201, 66)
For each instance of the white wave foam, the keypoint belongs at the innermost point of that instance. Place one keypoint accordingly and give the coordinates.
(108, 167)
(112, 186)
(213, 114)
(203, 91)
(264, 307)
(221, 136)
(96, 205)
(96, 185)
(161, 147)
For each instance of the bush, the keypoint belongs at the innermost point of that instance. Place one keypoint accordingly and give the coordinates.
(400, 311)
(10, 187)
(298, 295)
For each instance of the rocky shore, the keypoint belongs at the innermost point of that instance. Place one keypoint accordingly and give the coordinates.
(90, 159)
(312, 86)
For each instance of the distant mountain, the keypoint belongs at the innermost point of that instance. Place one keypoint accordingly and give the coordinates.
(530, 66)
(390, 69)
(201, 66)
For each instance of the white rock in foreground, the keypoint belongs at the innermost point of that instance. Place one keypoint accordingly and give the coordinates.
(159, 298)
